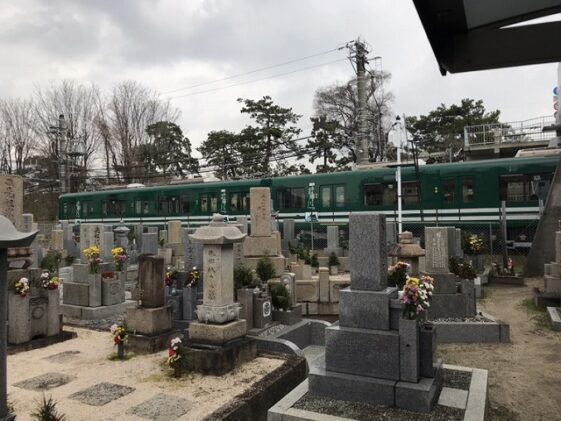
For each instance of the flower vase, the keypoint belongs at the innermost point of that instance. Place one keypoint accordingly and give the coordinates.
(121, 350)
(409, 350)
(177, 370)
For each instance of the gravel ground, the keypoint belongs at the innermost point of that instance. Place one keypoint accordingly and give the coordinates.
(366, 412)
(479, 318)
(273, 330)
(362, 411)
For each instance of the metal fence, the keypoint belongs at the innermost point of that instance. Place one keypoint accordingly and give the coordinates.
(496, 248)
(513, 132)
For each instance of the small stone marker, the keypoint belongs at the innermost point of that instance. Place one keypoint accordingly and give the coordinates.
(162, 407)
(44, 382)
(101, 394)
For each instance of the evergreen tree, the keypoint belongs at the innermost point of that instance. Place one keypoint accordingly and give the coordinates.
(221, 149)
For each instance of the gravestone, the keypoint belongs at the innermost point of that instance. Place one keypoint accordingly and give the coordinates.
(57, 239)
(437, 247)
(175, 232)
(218, 340)
(149, 243)
(287, 235)
(91, 235)
(332, 240)
(27, 222)
(11, 203)
(367, 357)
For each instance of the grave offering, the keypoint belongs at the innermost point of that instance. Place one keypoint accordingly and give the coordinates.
(452, 298)
(149, 324)
(374, 354)
(262, 242)
(217, 341)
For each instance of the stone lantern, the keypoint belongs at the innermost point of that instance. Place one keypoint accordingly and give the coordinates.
(121, 236)
(9, 237)
(409, 252)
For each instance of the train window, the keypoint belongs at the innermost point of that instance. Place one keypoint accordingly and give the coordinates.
(325, 196)
(169, 205)
(339, 196)
(184, 204)
(372, 194)
(245, 201)
(389, 196)
(467, 190)
(113, 207)
(448, 187)
(410, 193)
(513, 188)
(235, 202)
(204, 202)
(291, 198)
(213, 203)
(141, 207)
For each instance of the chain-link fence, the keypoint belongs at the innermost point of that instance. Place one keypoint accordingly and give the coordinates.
(496, 249)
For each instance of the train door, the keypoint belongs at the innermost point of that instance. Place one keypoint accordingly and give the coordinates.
(332, 198)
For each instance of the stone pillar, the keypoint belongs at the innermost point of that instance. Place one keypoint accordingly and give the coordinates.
(175, 232)
(324, 285)
(151, 273)
(332, 240)
(260, 199)
(57, 239)
(11, 204)
(287, 235)
(368, 268)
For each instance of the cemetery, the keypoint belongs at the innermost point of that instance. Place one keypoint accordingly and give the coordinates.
(235, 318)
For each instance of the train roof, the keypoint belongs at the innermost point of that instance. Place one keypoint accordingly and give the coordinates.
(432, 168)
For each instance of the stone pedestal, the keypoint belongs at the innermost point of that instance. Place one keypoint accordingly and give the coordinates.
(19, 326)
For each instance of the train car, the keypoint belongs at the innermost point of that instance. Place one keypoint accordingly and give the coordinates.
(461, 194)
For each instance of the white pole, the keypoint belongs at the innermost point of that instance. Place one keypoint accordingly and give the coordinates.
(398, 178)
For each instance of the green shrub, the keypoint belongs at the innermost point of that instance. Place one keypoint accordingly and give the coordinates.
(68, 260)
(279, 296)
(243, 277)
(265, 269)
(314, 261)
(333, 259)
(46, 411)
(51, 261)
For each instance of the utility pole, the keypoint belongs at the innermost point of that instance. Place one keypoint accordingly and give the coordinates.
(360, 52)
(60, 133)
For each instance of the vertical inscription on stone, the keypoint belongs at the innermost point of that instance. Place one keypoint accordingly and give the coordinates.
(260, 203)
(437, 249)
(212, 265)
(11, 199)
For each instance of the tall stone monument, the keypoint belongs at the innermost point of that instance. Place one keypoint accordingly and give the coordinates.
(452, 297)
(373, 355)
(150, 323)
(11, 203)
(217, 341)
(262, 242)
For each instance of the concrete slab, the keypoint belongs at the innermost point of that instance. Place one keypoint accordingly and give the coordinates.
(555, 316)
(455, 398)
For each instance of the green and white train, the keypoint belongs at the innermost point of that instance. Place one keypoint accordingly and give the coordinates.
(461, 194)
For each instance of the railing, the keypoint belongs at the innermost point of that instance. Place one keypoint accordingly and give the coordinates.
(510, 133)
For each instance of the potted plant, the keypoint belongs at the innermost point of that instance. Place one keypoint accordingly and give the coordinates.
(280, 301)
(119, 335)
(176, 354)
(333, 263)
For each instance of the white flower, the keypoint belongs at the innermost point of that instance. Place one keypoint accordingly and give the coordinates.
(113, 328)
(175, 341)
(24, 281)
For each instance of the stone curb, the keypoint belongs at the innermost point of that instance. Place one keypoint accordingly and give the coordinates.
(476, 407)
(472, 332)
(555, 316)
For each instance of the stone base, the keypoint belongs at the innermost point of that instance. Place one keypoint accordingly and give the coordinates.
(218, 314)
(444, 283)
(279, 263)
(544, 300)
(289, 317)
(210, 334)
(148, 344)
(219, 360)
(181, 324)
(506, 279)
(149, 321)
(419, 397)
(448, 305)
(261, 246)
(555, 316)
(94, 313)
(366, 309)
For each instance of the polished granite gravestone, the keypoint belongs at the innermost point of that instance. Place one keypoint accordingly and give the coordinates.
(372, 354)
(452, 297)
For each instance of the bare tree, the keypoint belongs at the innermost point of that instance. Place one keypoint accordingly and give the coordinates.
(19, 122)
(78, 103)
(339, 103)
(130, 109)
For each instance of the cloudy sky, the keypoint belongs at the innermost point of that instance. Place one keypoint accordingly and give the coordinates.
(173, 44)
